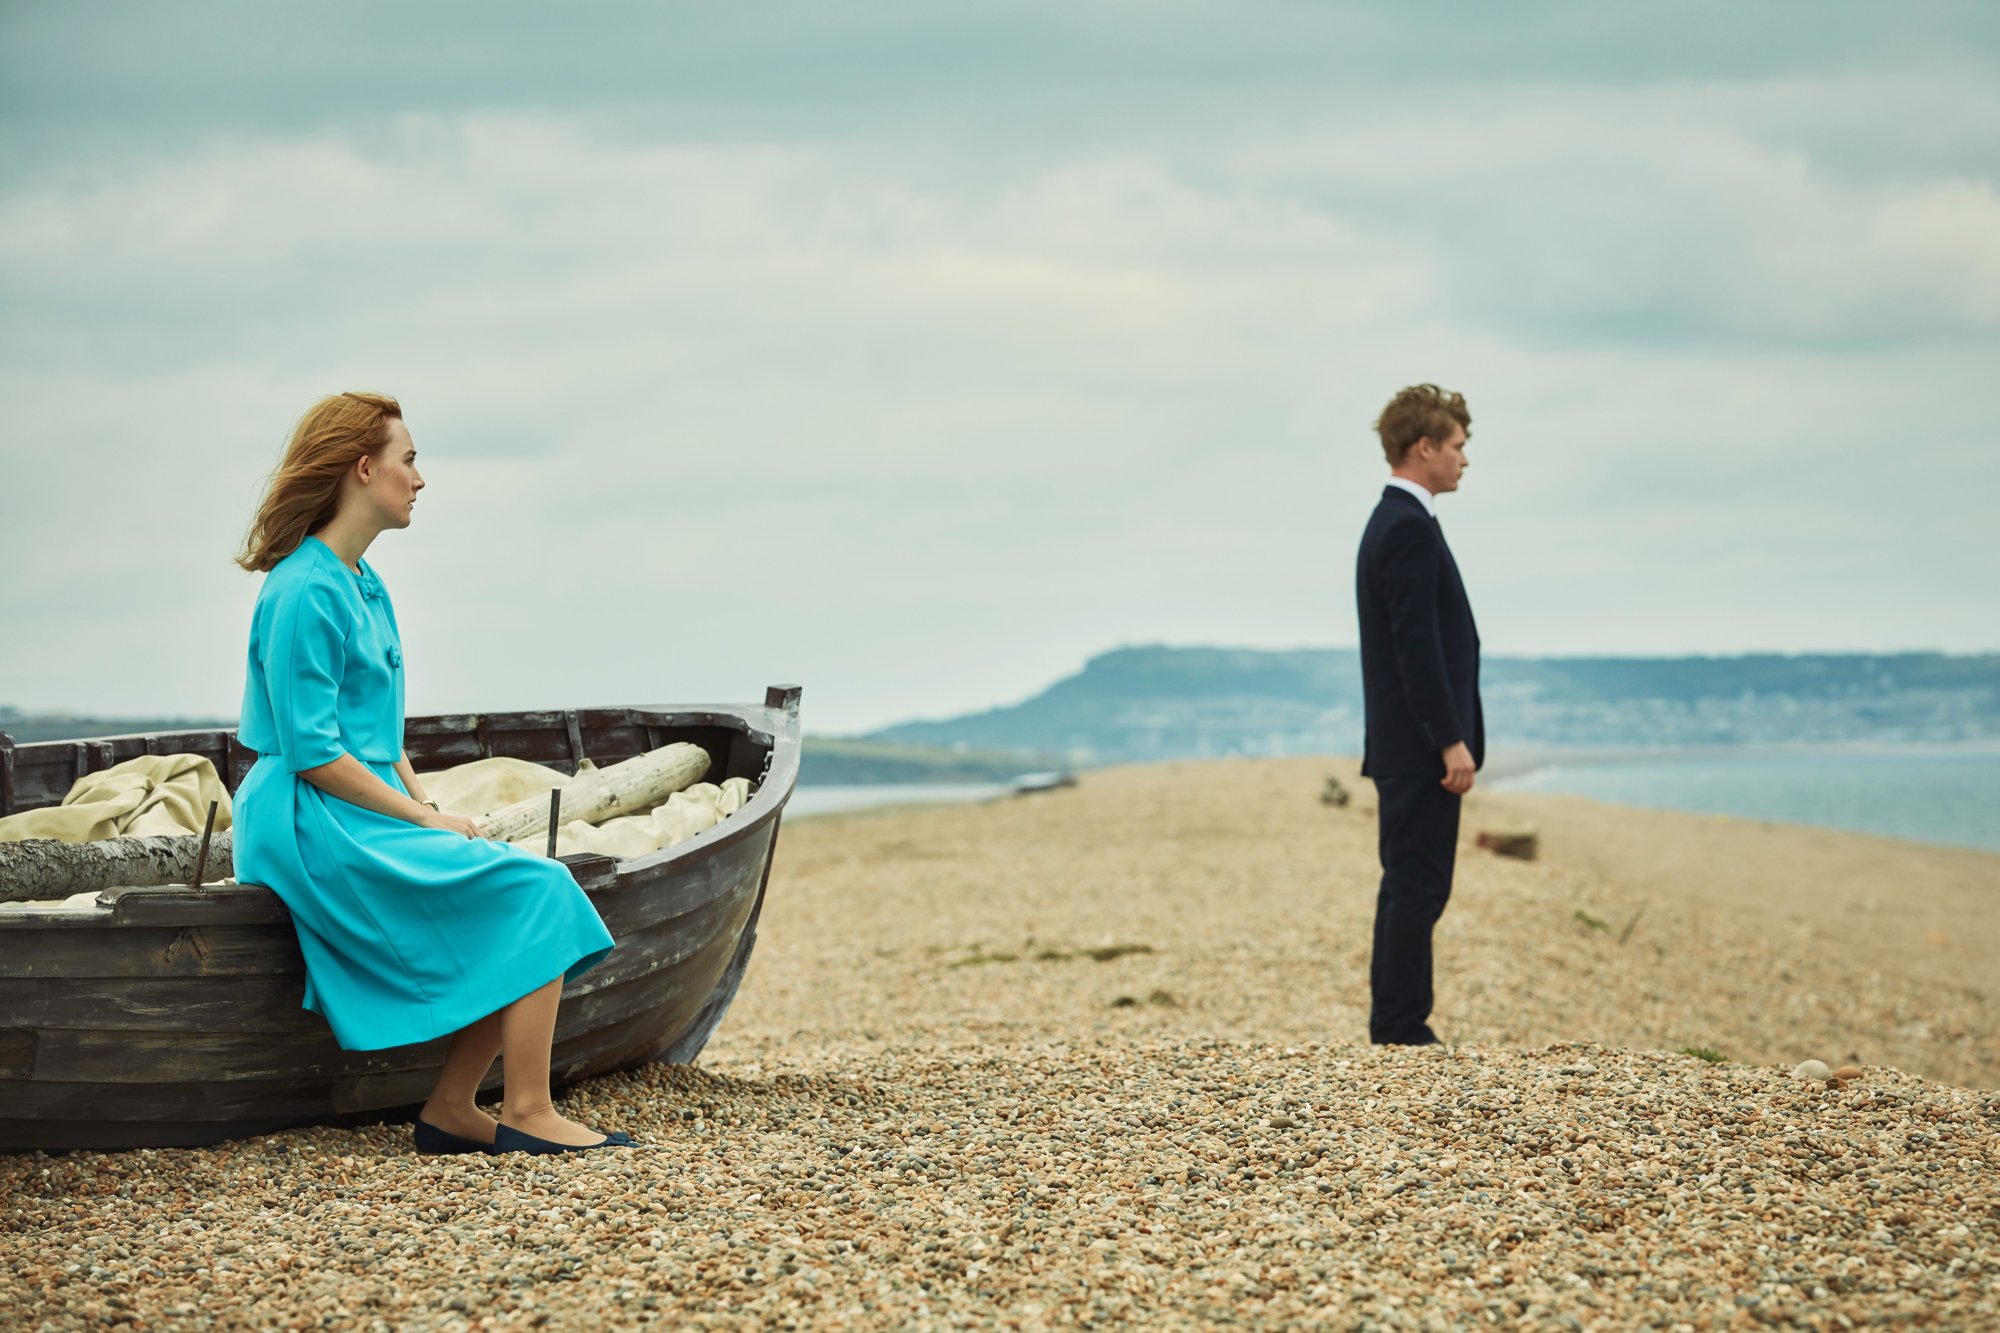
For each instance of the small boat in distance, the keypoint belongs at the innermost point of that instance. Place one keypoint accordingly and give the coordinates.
(170, 1016)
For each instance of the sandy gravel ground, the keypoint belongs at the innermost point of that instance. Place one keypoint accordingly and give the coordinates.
(1769, 944)
(1093, 1057)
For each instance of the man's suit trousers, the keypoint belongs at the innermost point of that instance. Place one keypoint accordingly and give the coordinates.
(1419, 846)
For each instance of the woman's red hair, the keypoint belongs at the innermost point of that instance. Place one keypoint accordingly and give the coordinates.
(305, 489)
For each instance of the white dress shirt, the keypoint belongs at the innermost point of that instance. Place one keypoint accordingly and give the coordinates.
(1424, 497)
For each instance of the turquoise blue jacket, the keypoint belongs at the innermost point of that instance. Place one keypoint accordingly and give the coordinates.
(325, 675)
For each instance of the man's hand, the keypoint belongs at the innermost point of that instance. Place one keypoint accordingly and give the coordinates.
(1458, 769)
(455, 823)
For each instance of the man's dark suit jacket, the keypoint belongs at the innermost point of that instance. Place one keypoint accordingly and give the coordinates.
(1419, 647)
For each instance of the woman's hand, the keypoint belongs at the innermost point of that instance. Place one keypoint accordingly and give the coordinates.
(456, 823)
(350, 780)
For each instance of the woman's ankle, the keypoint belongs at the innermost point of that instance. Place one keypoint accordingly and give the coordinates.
(440, 1110)
(522, 1113)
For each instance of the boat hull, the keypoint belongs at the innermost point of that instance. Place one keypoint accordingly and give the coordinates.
(172, 1017)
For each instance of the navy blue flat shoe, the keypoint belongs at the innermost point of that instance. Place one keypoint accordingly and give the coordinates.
(435, 1142)
(508, 1139)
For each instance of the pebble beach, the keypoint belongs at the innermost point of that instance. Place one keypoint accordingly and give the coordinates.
(1096, 1057)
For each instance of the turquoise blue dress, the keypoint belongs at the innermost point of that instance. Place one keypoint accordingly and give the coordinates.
(408, 933)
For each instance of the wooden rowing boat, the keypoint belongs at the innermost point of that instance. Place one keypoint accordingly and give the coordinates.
(166, 1017)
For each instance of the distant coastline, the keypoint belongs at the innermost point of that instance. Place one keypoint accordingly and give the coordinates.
(1136, 704)
(27, 728)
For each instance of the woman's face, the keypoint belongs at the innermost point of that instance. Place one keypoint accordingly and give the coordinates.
(390, 480)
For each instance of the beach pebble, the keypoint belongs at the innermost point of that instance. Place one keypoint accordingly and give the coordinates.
(1033, 1179)
(924, 1111)
(1813, 1071)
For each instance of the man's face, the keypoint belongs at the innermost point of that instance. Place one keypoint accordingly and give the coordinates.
(1442, 463)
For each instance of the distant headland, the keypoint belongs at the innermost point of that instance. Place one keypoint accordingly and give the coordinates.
(1155, 702)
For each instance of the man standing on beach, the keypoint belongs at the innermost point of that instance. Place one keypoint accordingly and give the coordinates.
(1426, 734)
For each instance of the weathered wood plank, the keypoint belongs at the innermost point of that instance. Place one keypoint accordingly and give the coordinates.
(591, 1041)
(682, 1046)
(73, 1116)
(17, 1052)
(613, 744)
(307, 1049)
(667, 946)
(236, 904)
(178, 905)
(237, 761)
(245, 931)
(45, 770)
(271, 1004)
(159, 1004)
(637, 902)
(444, 752)
(592, 871)
(84, 950)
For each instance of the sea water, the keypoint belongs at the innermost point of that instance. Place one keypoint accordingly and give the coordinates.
(1948, 794)
(837, 798)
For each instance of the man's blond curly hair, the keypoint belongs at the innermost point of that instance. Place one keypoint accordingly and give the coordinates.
(1418, 412)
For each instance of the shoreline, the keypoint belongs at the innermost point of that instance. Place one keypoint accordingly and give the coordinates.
(1505, 773)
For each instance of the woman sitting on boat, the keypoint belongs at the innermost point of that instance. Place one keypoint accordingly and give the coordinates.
(412, 925)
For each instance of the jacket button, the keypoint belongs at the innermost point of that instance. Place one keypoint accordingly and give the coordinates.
(395, 656)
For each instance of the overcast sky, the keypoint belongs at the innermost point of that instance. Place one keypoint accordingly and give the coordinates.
(917, 351)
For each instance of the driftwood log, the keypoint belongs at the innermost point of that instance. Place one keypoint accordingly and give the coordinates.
(604, 793)
(1521, 844)
(47, 868)
(43, 869)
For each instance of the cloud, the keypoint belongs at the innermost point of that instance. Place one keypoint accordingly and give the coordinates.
(792, 392)
(924, 424)
(1686, 214)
